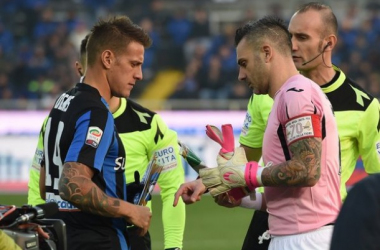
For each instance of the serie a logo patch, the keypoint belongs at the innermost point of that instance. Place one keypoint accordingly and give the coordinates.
(94, 135)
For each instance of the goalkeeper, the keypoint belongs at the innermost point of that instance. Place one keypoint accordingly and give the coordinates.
(301, 146)
(356, 111)
(143, 134)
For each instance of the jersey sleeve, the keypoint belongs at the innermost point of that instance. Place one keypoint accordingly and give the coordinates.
(369, 138)
(165, 146)
(301, 112)
(34, 197)
(258, 109)
(94, 132)
(296, 104)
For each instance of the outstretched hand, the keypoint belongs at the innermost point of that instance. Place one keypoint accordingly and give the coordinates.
(227, 201)
(190, 192)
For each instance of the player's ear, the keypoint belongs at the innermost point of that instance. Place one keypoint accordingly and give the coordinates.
(268, 53)
(79, 68)
(331, 42)
(107, 58)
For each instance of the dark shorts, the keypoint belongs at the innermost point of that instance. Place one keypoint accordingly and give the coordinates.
(138, 242)
(83, 239)
(259, 224)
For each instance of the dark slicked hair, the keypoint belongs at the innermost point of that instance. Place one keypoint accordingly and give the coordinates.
(114, 34)
(327, 15)
(269, 28)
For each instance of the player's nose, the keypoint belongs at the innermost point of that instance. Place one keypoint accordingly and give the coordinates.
(242, 76)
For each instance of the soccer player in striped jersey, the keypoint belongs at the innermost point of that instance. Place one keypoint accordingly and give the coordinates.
(83, 157)
(142, 132)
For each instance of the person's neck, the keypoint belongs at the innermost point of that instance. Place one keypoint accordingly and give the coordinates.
(97, 79)
(114, 104)
(320, 75)
(282, 72)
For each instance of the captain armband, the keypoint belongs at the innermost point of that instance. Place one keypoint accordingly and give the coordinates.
(301, 127)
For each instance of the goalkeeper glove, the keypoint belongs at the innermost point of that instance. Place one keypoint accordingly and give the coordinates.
(226, 140)
(234, 173)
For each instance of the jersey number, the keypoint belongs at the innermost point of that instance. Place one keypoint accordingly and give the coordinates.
(53, 171)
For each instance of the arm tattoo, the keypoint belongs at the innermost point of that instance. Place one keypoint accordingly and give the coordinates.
(76, 186)
(304, 169)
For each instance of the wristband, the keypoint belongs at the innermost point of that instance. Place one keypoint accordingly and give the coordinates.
(256, 204)
(252, 175)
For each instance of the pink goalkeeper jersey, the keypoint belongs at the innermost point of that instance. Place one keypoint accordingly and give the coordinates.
(302, 110)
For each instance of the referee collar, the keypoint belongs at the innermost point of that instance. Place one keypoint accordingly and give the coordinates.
(121, 109)
(336, 82)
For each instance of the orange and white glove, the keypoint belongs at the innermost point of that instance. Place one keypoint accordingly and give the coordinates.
(235, 173)
(225, 139)
(227, 158)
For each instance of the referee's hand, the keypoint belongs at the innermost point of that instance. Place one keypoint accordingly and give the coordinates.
(191, 192)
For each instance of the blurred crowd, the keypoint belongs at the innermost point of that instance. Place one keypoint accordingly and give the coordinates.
(39, 43)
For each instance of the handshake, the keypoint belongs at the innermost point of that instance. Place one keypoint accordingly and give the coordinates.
(234, 174)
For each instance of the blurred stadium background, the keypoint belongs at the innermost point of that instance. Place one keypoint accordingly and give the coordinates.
(190, 77)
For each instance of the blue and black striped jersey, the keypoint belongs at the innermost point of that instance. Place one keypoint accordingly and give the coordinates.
(80, 128)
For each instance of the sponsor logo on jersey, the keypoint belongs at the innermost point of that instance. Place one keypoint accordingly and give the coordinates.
(159, 135)
(36, 164)
(167, 158)
(360, 95)
(378, 150)
(142, 116)
(299, 128)
(120, 163)
(94, 135)
(247, 123)
(62, 204)
(295, 90)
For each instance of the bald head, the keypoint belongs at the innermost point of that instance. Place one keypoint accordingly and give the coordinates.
(329, 23)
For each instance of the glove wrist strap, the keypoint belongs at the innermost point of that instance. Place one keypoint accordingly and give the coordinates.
(256, 204)
(252, 175)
